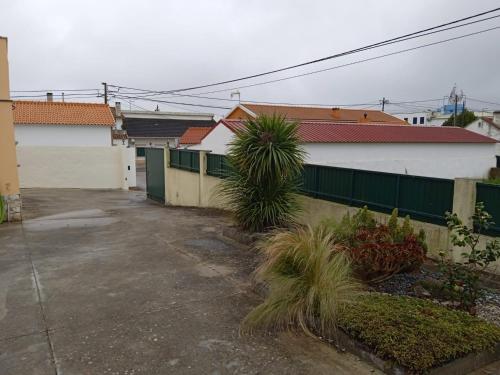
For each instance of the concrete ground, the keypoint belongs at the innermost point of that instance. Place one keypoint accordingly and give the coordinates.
(106, 282)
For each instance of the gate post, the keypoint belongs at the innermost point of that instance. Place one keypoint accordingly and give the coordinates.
(203, 173)
(464, 205)
(166, 166)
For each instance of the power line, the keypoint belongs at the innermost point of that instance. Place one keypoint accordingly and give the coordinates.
(364, 48)
(170, 102)
(346, 64)
(482, 101)
(54, 90)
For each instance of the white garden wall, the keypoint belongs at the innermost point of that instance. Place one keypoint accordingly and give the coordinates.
(62, 135)
(111, 167)
(446, 160)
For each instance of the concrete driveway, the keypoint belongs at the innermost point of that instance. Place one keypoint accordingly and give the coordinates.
(106, 282)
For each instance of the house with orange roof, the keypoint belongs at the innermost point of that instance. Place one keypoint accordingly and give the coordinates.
(69, 145)
(66, 124)
(193, 137)
(244, 111)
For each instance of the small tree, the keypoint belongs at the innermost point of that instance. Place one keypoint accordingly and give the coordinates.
(266, 161)
(2, 210)
(462, 279)
(463, 119)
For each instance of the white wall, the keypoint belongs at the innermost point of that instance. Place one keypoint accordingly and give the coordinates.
(62, 135)
(76, 167)
(216, 141)
(482, 127)
(431, 160)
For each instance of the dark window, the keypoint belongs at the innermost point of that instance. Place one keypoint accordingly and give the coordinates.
(406, 119)
(422, 120)
(415, 119)
(140, 151)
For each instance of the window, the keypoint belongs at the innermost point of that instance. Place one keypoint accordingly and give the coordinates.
(422, 120)
(415, 120)
(406, 119)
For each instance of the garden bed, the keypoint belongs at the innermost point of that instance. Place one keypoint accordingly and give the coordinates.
(404, 335)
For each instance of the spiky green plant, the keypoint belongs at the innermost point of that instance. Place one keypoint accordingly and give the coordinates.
(309, 280)
(266, 161)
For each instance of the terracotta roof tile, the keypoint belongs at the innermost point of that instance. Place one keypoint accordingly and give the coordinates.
(62, 113)
(325, 114)
(194, 136)
(335, 132)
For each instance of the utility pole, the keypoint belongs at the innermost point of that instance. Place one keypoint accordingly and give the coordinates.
(384, 102)
(105, 92)
(456, 108)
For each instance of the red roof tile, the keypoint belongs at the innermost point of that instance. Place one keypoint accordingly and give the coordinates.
(194, 136)
(62, 113)
(333, 132)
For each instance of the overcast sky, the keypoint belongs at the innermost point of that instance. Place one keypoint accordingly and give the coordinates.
(168, 44)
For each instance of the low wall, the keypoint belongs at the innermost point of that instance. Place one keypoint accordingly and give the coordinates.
(108, 167)
(184, 188)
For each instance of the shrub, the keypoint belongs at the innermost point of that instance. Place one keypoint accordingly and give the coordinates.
(266, 161)
(416, 333)
(379, 251)
(309, 282)
(462, 279)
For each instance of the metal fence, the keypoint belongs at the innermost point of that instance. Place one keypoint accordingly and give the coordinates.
(489, 194)
(188, 160)
(423, 198)
(217, 165)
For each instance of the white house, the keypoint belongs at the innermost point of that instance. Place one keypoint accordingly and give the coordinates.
(444, 152)
(488, 126)
(64, 124)
(69, 145)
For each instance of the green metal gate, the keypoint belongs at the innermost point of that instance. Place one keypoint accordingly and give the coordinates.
(155, 174)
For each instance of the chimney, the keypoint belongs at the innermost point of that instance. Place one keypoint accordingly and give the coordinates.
(50, 97)
(118, 109)
(496, 117)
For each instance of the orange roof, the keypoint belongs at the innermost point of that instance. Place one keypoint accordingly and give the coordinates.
(194, 135)
(62, 113)
(322, 114)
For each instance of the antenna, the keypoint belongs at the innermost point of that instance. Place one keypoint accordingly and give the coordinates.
(234, 93)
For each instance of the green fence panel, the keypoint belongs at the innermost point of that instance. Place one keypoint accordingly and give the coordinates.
(188, 160)
(155, 174)
(376, 190)
(425, 198)
(334, 184)
(217, 165)
(489, 194)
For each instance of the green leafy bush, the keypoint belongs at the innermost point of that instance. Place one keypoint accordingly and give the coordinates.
(379, 251)
(309, 283)
(462, 279)
(266, 161)
(415, 333)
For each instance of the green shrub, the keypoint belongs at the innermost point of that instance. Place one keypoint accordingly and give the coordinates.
(379, 251)
(309, 283)
(462, 279)
(266, 161)
(416, 333)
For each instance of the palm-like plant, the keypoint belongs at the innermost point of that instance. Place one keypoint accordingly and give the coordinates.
(310, 282)
(266, 161)
(2, 210)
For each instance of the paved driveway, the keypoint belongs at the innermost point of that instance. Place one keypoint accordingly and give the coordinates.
(105, 282)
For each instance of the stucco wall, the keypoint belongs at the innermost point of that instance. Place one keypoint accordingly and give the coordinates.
(182, 188)
(482, 127)
(9, 182)
(216, 141)
(63, 135)
(75, 167)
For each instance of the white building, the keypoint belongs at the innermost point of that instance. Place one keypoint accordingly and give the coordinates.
(443, 152)
(69, 145)
(49, 123)
(488, 126)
